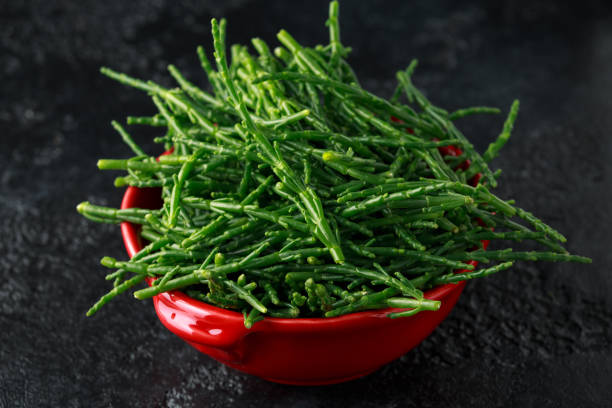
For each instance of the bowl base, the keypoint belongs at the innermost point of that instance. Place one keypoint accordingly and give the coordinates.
(323, 381)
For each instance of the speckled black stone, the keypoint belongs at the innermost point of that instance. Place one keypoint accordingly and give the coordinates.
(538, 335)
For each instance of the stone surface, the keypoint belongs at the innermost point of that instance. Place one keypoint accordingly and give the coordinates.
(539, 335)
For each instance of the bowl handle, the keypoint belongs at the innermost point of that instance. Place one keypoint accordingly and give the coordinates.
(199, 326)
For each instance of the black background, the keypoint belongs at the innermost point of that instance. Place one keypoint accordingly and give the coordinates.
(538, 335)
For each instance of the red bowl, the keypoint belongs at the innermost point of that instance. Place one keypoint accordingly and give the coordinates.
(301, 351)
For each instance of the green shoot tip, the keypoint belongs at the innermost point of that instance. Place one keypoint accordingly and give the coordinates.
(108, 262)
(329, 156)
(219, 259)
(82, 206)
(120, 182)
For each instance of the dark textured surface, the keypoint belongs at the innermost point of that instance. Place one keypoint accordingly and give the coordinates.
(539, 335)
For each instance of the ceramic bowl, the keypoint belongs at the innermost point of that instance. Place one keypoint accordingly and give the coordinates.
(301, 351)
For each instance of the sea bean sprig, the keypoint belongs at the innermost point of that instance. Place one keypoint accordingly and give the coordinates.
(290, 191)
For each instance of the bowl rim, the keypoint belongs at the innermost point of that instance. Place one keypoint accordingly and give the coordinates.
(131, 239)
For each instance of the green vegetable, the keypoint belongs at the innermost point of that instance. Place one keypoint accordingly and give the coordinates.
(293, 192)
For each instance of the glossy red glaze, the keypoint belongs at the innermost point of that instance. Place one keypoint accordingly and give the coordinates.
(302, 351)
